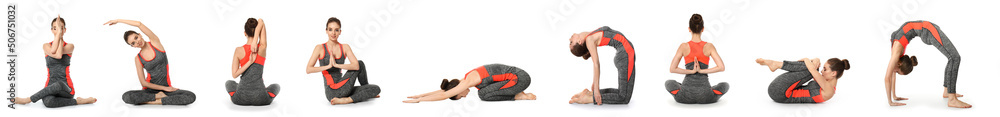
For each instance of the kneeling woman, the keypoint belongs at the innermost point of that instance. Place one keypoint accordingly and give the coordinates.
(791, 86)
(495, 82)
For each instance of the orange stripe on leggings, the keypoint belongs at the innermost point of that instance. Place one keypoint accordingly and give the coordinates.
(510, 77)
(788, 92)
(329, 80)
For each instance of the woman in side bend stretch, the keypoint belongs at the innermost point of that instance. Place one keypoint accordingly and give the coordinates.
(155, 82)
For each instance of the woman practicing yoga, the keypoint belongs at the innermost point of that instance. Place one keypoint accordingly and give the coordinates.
(795, 86)
(156, 85)
(584, 44)
(331, 55)
(696, 89)
(248, 63)
(58, 90)
(496, 82)
(900, 63)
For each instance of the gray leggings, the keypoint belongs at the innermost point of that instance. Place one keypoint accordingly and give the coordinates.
(57, 94)
(622, 94)
(179, 97)
(357, 93)
(495, 91)
(251, 96)
(931, 34)
(251, 90)
(696, 89)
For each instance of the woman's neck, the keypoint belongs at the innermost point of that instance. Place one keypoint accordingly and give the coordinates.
(696, 37)
(332, 42)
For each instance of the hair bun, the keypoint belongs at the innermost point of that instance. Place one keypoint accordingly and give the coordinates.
(913, 59)
(444, 84)
(847, 65)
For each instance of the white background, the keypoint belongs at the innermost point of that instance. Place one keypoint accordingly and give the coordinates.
(410, 45)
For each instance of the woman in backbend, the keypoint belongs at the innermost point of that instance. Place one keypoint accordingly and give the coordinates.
(902, 64)
(584, 44)
(155, 82)
(794, 86)
(495, 82)
(248, 63)
(696, 89)
(331, 55)
(58, 90)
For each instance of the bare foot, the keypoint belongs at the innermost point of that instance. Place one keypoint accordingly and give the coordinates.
(336, 101)
(585, 97)
(157, 102)
(20, 100)
(896, 104)
(89, 100)
(761, 61)
(577, 95)
(900, 98)
(160, 95)
(524, 96)
(954, 102)
(771, 65)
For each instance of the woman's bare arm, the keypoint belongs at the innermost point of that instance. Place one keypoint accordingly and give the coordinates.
(719, 65)
(237, 68)
(677, 59)
(155, 40)
(592, 42)
(426, 94)
(890, 76)
(470, 80)
(350, 56)
(52, 50)
(262, 38)
(310, 65)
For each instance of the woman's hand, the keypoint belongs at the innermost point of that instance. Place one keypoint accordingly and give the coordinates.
(170, 89)
(597, 96)
(810, 64)
(697, 66)
(412, 101)
(129, 22)
(253, 48)
(112, 22)
(253, 57)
